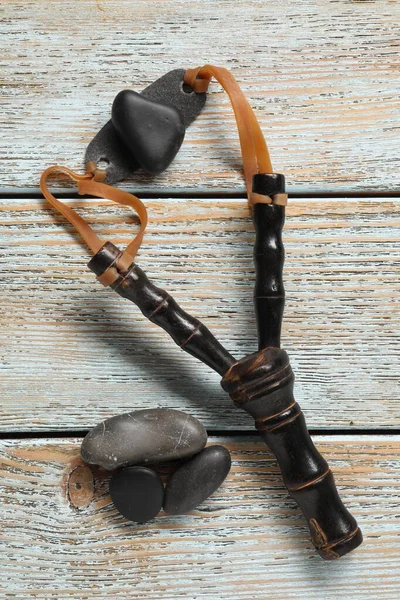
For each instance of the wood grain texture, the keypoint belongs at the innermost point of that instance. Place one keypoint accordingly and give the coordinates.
(74, 352)
(248, 540)
(321, 76)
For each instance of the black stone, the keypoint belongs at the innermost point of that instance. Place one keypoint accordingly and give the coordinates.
(196, 480)
(143, 437)
(152, 132)
(137, 492)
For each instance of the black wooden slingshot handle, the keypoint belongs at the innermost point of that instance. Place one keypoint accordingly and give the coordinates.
(262, 385)
(269, 255)
(160, 308)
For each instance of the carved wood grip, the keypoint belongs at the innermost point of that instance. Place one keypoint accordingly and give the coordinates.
(269, 256)
(262, 385)
(160, 308)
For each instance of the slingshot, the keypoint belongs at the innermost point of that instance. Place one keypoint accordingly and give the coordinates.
(260, 383)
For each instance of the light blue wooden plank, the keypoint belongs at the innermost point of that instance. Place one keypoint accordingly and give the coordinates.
(248, 540)
(73, 352)
(321, 76)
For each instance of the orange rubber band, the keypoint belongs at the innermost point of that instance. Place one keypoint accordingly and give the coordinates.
(87, 185)
(255, 154)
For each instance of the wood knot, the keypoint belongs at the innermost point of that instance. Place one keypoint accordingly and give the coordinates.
(80, 486)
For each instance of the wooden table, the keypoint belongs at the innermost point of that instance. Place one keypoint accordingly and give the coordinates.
(323, 78)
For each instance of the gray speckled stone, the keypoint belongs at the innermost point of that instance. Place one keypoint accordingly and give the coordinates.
(143, 437)
(196, 480)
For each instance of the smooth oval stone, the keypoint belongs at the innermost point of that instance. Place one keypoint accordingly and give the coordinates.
(137, 492)
(152, 132)
(196, 480)
(144, 436)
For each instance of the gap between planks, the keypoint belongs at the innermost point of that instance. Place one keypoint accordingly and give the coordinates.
(245, 433)
(294, 192)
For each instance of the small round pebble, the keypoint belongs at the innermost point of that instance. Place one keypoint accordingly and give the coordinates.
(138, 493)
(196, 480)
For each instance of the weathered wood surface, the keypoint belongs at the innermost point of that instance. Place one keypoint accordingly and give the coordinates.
(248, 540)
(322, 77)
(74, 352)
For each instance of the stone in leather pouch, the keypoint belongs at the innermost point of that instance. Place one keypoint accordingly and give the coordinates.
(109, 147)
